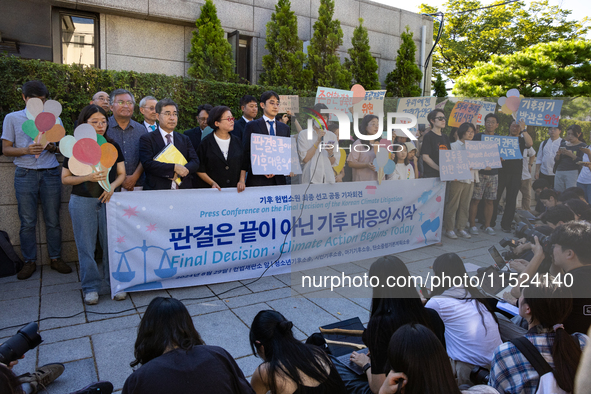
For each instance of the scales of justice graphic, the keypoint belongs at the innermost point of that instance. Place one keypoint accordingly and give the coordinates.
(129, 275)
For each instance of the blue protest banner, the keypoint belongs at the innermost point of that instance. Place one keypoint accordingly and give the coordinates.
(539, 112)
(508, 146)
(270, 154)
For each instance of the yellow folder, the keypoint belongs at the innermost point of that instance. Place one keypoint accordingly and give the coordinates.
(171, 155)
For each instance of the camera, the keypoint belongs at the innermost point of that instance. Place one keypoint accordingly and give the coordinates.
(507, 241)
(510, 255)
(522, 230)
(479, 375)
(25, 339)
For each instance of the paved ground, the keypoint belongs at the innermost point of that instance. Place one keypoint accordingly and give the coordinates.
(100, 347)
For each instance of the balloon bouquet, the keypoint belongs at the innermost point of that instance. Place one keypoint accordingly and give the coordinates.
(89, 152)
(43, 121)
(382, 162)
(510, 104)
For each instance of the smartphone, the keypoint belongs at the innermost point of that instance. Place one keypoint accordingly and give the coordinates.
(499, 261)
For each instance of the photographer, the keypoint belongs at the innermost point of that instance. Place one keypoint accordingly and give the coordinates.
(558, 215)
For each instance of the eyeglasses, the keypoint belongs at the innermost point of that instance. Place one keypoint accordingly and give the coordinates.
(440, 118)
(274, 103)
(229, 119)
(103, 99)
(491, 122)
(99, 123)
(202, 119)
(170, 114)
(150, 108)
(124, 103)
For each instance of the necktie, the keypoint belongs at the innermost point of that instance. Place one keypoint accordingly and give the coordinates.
(271, 129)
(168, 139)
(153, 127)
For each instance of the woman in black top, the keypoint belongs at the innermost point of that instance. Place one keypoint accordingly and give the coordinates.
(88, 208)
(220, 154)
(569, 154)
(290, 366)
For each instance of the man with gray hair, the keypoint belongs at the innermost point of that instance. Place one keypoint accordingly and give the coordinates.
(102, 100)
(148, 109)
(127, 132)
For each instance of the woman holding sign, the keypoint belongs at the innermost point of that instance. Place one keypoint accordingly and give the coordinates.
(88, 199)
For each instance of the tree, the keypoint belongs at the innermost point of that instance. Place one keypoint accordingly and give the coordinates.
(323, 60)
(439, 89)
(475, 36)
(362, 65)
(405, 79)
(211, 54)
(561, 68)
(284, 65)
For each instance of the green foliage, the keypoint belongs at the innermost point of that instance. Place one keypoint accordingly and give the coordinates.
(284, 65)
(405, 79)
(362, 65)
(323, 60)
(74, 85)
(439, 89)
(554, 69)
(211, 54)
(475, 36)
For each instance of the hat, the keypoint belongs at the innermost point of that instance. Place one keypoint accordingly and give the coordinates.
(410, 146)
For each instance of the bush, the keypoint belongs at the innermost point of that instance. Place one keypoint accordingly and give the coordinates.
(74, 85)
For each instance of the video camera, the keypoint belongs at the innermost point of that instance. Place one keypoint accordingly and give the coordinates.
(522, 230)
(25, 339)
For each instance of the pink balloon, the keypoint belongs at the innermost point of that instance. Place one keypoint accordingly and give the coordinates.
(358, 93)
(513, 103)
(44, 121)
(87, 151)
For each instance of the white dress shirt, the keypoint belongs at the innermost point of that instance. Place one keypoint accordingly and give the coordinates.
(546, 156)
(163, 133)
(149, 126)
(267, 120)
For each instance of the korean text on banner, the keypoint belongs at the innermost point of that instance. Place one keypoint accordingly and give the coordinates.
(539, 112)
(453, 165)
(270, 154)
(418, 106)
(158, 240)
(508, 146)
(486, 107)
(463, 112)
(289, 103)
(372, 104)
(483, 154)
(337, 99)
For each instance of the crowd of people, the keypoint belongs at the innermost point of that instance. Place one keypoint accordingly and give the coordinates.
(415, 345)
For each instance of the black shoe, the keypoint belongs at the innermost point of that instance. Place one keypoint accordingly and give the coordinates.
(506, 230)
(318, 340)
(61, 267)
(28, 269)
(102, 387)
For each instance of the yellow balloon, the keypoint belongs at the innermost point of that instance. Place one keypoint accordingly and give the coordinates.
(506, 110)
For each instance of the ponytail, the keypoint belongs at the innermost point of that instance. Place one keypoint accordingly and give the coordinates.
(566, 353)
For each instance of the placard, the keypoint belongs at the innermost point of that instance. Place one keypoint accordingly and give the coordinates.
(539, 112)
(463, 112)
(508, 146)
(337, 99)
(270, 154)
(289, 103)
(486, 108)
(418, 106)
(453, 165)
(372, 104)
(483, 154)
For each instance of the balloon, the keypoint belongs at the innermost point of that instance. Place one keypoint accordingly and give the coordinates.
(506, 110)
(382, 157)
(30, 129)
(85, 130)
(34, 106)
(358, 93)
(108, 155)
(100, 139)
(44, 121)
(389, 167)
(29, 115)
(43, 140)
(66, 145)
(513, 93)
(78, 168)
(342, 161)
(513, 103)
(502, 101)
(56, 133)
(87, 151)
(384, 143)
(53, 107)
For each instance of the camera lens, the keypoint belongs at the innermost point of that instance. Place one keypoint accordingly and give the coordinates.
(25, 339)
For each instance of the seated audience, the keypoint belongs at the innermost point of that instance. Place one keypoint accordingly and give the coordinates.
(538, 185)
(558, 215)
(578, 191)
(577, 206)
(174, 358)
(549, 198)
(565, 196)
(289, 366)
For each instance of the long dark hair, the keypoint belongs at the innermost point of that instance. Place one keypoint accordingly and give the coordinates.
(90, 110)
(9, 383)
(365, 123)
(406, 160)
(551, 304)
(166, 325)
(416, 351)
(283, 353)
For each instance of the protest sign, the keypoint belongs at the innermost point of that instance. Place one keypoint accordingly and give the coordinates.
(176, 244)
(289, 103)
(463, 112)
(483, 154)
(418, 106)
(372, 103)
(539, 112)
(270, 154)
(337, 99)
(453, 165)
(486, 108)
(508, 146)
(296, 167)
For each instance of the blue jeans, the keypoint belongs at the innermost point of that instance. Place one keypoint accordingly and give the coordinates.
(587, 188)
(29, 186)
(89, 218)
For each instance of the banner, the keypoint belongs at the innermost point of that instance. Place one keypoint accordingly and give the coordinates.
(418, 106)
(454, 166)
(482, 154)
(486, 108)
(463, 112)
(165, 239)
(270, 154)
(337, 99)
(539, 112)
(372, 103)
(289, 103)
(508, 146)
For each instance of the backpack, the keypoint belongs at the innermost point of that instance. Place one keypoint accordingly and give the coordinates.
(10, 262)
(547, 383)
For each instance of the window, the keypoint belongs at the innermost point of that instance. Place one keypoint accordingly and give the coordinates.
(241, 48)
(75, 42)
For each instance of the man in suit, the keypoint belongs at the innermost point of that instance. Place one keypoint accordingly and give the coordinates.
(196, 134)
(148, 109)
(159, 176)
(264, 125)
(248, 105)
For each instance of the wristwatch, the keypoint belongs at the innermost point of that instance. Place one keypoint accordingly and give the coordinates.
(366, 367)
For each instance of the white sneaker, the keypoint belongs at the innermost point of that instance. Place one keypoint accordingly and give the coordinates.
(120, 296)
(490, 231)
(464, 234)
(91, 298)
(451, 234)
(474, 230)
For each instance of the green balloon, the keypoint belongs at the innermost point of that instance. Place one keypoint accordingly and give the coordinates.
(100, 139)
(30, 129)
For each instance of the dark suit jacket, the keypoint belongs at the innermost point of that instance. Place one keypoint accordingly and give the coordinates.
(259, 126)
(195, 136)
(225, 172)
(158, 174)
(239, 127)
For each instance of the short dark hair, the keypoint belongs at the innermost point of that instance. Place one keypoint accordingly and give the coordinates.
(491, 115)
(247, 99)
(577, 190)
(577, 205)
(118, 92)
(565, 196)
(433, 114)
(267, 95)
(540, 184)
(164, 103)
(547, 193)
(558, 213)
(35, 89)
(215, 115)
(204, 107)
(463, 129)
(574, 236)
